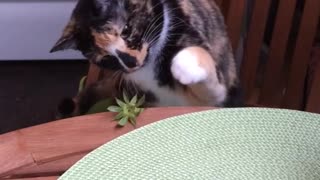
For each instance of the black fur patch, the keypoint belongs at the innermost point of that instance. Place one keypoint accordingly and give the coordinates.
(128, 60)
(66, 108)
(235, 97)
(109, 62)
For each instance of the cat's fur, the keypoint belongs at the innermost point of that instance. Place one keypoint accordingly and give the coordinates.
(176, 51)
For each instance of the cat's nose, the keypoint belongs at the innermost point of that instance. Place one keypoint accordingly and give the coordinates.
(133, 43)
(128, 60)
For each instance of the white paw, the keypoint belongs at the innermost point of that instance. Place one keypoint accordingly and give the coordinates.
(186, 69)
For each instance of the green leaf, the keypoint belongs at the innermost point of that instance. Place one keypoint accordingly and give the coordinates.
(123, 121)
(120, 103)
(114, 109)
(133, 121)
(100, 106)
(141, 101)
(134, 100)
(125, 111)
(82, 83)
(137, 110)
(125, 97)
(119, 116)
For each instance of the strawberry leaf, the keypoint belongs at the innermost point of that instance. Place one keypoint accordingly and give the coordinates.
(119, 116)
(120, 103)
(114, 109)
(123, 121)
(134, 100)
(125, 98)
(141, 101)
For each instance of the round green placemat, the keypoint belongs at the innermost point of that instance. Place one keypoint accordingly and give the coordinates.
(219, 144)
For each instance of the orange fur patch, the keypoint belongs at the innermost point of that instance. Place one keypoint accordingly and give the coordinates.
(204, 58)
(186, 6)
(103, 40)
(139, 55)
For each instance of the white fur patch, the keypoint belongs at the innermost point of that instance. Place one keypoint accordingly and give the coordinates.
(145, 79)
(156, 49)
(185, 68)
(220, 93)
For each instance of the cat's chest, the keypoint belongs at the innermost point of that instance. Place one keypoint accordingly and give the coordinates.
(165, 96)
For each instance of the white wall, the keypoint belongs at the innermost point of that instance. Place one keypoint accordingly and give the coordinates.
(29, 28)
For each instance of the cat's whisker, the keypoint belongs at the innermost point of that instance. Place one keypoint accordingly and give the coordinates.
(152, 33)
(153, 21)
(175, 17)
(154, 40)
(159, 3)
(173, 26)
(179, 24)
(155, 31)
(156, 19)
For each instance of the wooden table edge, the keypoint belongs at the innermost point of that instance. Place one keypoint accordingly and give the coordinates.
(36, 149)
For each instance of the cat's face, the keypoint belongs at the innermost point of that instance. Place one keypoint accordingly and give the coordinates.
(124, 29)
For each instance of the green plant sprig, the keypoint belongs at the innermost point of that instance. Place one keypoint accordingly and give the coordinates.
(128, 110)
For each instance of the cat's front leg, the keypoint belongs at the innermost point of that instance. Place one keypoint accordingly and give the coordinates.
(192, 65)
(195, 67)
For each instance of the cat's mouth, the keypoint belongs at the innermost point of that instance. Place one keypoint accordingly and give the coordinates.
(131, 60)
(127, 60)
(120, 61)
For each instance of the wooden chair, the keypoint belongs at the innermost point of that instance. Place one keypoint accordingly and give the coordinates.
(280, 81)
(284, 77)
(44, 152)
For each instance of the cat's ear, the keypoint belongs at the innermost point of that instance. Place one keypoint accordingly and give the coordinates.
(100, 6)
(67, 40)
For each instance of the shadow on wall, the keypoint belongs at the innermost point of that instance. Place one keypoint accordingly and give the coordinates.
(31, 91)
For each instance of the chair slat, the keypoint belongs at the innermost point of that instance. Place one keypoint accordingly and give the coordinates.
(253, 45)
(235, 20)
(313, 103)
(294, 95)
(271, 92)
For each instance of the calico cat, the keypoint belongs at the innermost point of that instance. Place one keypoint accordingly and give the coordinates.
(175, 51)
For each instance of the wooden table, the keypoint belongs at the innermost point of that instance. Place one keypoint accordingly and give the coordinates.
(46, 151)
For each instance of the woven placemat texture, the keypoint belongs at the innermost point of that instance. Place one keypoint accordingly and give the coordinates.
(245, 143)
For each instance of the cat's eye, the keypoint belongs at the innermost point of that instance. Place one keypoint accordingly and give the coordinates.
(126, 27)
(125, 32)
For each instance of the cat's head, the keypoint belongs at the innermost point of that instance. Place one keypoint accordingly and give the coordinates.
(104, 28)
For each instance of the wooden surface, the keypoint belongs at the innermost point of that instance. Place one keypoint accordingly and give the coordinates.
(234, 20)
(39, 178)
(301, 58)
(50, 149)
(252, 48)
(313, 103)
(272, 88)
(314, 97)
